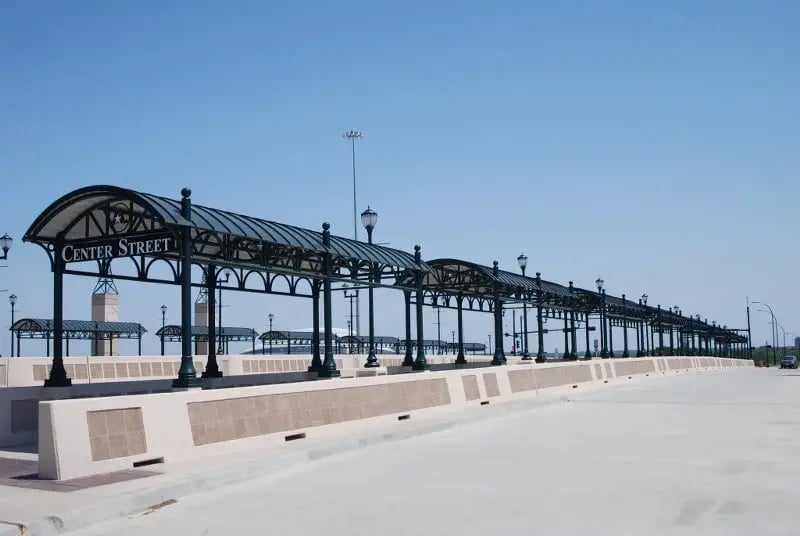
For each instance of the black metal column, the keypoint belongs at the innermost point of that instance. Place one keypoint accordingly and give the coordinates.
(610, 338)
(187, 375)
(58, 374)
(540, 358)
(316, 359)
(625, 352)
(573, 336)
(212, 367)
(499, 356)
(328, 369)
(460, 360)
(566, 335)
(588, 354)
(408, 360)
(671, 341)
(603, 326)
(420, 363)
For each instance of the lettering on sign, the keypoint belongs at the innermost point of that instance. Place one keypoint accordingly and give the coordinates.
(120, 247)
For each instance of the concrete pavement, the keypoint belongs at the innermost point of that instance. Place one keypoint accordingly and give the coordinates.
(712, 453)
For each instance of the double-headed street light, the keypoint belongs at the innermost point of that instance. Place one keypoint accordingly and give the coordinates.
(774, 332)
(5, 244)
(369, 219)
(522, 260)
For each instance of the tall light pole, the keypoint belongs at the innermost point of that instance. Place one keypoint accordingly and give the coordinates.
(163, 325)
(220, 334)
(522, 260)
(13, 301)
(774, 331)
(271, 318)
(352, 136)
(352, 296)
(369, 219)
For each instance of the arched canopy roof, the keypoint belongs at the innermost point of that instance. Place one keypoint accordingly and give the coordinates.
(172, 332)
(452, 277)
(76, 329)
(99, 212)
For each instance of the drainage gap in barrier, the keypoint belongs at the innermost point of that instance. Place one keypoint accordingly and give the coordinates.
(605, 381)
(484, 402)
(403, 417)
(295, 437)
(629, 377)
(574, 386)
(151, 461)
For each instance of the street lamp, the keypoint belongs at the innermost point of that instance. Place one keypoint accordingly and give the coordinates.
(647, 332)
(163, 325)
(271, 318)
(13, 301)
(220, 334)
(522, 260)
(352, 136)
(353, 295)
(369, 219)
(453, 334)
(5, 244)
(599, 284)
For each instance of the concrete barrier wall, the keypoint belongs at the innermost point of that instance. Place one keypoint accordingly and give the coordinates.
(81, 437)
(32, 371)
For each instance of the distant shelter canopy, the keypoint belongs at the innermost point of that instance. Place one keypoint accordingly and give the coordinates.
(90, 330)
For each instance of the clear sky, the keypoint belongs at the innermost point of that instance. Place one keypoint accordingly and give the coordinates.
(654, 144)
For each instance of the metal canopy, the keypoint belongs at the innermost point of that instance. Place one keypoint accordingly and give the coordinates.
(40, 328)
(246, 244)
(172, 333)
(448, 278)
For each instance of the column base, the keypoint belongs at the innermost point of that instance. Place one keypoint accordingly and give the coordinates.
(187, 383)
(372, 361)
(326, 373)
(58, 382)
(211, 374)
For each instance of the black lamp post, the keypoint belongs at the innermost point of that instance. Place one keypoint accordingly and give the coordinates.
(5, 244)
(352, 295)
(523, 263)
(220, 335)
(369, 218)
(540, 357)
(271, 317)
(646, 329)
(604, 350)
(13, 301)
(163, 325)
(625, 352)
(453, 335)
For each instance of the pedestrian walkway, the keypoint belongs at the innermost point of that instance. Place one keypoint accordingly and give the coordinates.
(710, 453)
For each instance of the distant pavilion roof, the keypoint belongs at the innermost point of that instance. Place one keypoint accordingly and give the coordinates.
(77, 329)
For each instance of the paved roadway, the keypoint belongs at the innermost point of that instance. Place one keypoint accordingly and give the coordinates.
(711, 454)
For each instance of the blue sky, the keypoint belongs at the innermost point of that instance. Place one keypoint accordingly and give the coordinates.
(653, 144)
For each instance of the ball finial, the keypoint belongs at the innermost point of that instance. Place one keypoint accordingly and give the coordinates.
(186, 192)
(326, 226)
(417, 248)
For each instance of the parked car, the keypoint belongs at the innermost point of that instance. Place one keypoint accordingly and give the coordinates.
(789, 361)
